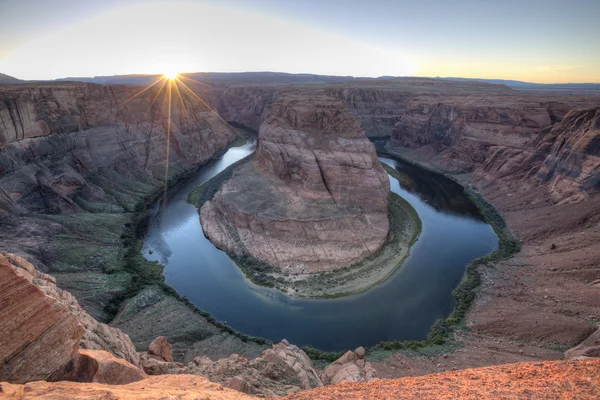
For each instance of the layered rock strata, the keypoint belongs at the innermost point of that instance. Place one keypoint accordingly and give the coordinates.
(44, 331)
(564, 158)
(415, 110)
(314, 197)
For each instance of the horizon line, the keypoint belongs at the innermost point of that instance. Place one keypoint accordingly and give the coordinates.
(306, 73)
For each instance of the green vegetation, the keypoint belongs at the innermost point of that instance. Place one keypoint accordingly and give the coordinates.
(318, 355)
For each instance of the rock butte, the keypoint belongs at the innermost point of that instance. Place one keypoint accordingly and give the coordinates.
(313, 198)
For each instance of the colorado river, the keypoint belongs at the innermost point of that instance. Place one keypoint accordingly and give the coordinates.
(404, 307)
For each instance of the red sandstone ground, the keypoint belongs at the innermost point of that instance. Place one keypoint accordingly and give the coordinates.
(550, 380)
(536, 380)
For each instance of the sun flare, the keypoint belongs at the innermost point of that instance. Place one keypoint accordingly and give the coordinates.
(171, 75)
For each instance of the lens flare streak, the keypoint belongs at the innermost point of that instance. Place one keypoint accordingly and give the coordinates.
(172, 80)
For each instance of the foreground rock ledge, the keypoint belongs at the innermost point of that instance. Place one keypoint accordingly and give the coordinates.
(547, 380)
(313, 199)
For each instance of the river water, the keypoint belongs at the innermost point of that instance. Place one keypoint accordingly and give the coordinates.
(404, 307)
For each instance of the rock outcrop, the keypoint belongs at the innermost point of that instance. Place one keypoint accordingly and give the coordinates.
(38, 334)
(43, 327)
(278, 371)
(100, 367)
(314, 197)
(161, 349)
(351, 367)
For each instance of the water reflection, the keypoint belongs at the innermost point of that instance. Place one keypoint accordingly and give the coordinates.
(440, 192)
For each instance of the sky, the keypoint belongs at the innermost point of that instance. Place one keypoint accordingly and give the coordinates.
(547, 41)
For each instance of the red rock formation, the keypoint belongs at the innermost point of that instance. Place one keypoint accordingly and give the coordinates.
(99, 366)
(184, 387)
(314, 197)
(161, 348)
(539, 380)
(43, 327)
(38, 335)
(278, 371)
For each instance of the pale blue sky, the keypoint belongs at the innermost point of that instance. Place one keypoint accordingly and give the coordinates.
(534, 40)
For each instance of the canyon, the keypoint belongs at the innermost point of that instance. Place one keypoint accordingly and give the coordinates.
(80, 162)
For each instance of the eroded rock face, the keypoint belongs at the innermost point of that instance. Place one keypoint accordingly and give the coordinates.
(314, 197)
(92, 127)
(43, 326)
(351, 367)
(564, 157)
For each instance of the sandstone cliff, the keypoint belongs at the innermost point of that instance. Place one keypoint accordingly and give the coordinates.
(314, 197)
(79, 130)
(43, 328)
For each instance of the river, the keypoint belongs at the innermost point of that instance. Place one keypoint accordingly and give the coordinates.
(404, 307)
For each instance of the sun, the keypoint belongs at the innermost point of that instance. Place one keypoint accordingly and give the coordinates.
(171, 75)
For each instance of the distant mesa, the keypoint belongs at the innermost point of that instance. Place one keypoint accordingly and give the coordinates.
(8, 79)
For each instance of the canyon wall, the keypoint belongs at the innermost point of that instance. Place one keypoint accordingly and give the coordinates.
(313, 198)
(86, 148)
(405, 105)
(78, 165)
(55, 136)
(564, 157)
